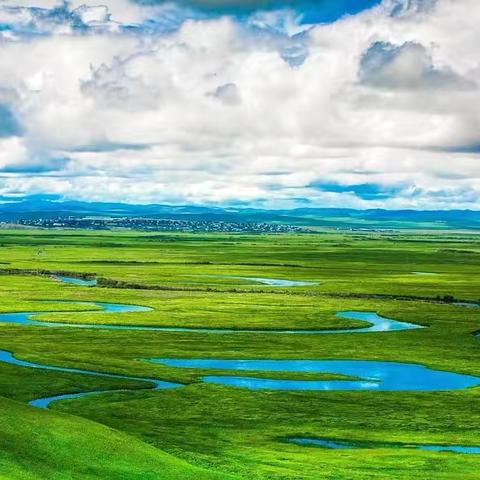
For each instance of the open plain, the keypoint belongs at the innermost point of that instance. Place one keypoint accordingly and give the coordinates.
(204, 299)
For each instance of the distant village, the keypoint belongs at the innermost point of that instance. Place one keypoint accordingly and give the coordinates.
(158, 225)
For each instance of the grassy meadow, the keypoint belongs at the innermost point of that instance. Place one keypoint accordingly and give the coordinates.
(207, 431)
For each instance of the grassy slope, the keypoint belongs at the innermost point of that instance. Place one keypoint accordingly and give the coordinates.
(35, 445)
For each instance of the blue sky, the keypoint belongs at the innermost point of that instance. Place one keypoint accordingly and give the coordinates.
(312, 11)
(163, 16)
(358, 103)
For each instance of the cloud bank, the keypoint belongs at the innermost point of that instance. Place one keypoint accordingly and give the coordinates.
(152, 101)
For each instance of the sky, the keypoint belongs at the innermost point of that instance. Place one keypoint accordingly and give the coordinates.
(260, 103)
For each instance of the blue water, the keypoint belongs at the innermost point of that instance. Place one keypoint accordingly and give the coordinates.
(272, 282)
(8, 357)
(322, 442)
(275, 282)
(24, 318)
(450, 448)
(374, 375)
(378, 324)
(341, 444)
(46, 401)
(283, 283)
(467, 304)
(76, 281)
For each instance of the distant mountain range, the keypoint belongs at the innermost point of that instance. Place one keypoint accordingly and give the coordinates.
(36, 207)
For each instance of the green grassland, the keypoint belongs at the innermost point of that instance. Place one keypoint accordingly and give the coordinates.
(208, 431)
(38, 444)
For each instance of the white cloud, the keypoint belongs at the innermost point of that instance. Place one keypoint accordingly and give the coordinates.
(12, 152)
(213, 113)
(408, 67)
(93, 15)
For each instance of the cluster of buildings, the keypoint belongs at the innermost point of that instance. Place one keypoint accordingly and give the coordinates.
(161, 224)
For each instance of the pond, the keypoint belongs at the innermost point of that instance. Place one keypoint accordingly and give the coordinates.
(76, 281)
(373, 375)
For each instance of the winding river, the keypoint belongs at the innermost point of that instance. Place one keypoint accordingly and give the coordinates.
(153, 383)
(342, 445)
(377, 323)
(377, 376)
(369, 375)
(266, 281)
(373, 375)
(271, 282)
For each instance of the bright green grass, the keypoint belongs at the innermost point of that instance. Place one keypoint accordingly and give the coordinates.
(367, 263)
(37, 444)
(232, 430)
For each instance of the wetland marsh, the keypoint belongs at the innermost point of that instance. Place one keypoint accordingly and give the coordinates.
(358, 300)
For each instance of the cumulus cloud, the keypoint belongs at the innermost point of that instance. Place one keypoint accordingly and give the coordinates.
(377, 109)
(407, 66)
(409, 8)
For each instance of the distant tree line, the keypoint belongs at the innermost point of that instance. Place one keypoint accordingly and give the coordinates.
(437, 298)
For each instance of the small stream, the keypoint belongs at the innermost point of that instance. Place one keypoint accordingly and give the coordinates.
(44, 402)
(342, 445)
